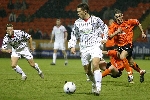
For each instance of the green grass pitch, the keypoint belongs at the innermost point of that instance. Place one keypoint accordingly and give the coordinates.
(51, 88)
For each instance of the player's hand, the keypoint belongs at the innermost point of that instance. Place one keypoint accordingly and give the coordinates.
(143, 35)
(119, 30)
(103, 41)
(32, 48)
(51, 41)
(9, 51)
(73, 51)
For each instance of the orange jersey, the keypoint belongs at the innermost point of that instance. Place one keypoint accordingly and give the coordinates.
(115, 61)
(126, 36)
(110, 42)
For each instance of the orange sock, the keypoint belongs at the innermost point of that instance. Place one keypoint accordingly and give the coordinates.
(136, 67)
(106, 72)
(131, 70)
(127, 66)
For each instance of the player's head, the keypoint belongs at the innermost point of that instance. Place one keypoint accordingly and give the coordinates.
(9, 29)
(82, 10)
(118, 16)
(58, 22)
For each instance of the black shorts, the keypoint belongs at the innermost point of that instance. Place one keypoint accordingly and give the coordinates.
(111, 48)
(117, 75)
(127, 48)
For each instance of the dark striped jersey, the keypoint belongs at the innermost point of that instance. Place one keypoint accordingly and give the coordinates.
(89, 32)
(18, 40)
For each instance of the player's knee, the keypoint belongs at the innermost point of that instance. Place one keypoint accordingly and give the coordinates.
(32, 64)
(13, 65)
(122, 57)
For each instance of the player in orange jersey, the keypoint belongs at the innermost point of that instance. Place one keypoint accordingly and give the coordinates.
(116, 67)
(122, 32)
(110, 42)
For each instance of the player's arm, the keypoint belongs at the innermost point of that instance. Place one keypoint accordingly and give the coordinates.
(105, 52)
(74, 36)
(140, 27)
(66, 35)
(6, 50)
(104, 29)
(4, 47)
(52, 36)
(113, 33)
(30, 44)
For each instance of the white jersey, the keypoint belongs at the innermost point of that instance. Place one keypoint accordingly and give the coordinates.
(89, 32)
(17, 41)
(59, 33)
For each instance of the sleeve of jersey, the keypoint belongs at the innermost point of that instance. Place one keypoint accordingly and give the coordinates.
(74, 37)
(133, 22)
(105, 37)
(26, 35)
(4, 45)
(104, 28)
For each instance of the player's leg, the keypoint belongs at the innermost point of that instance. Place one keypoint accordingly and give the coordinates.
(36, 67)
(103, 64)
(64, 53)
(87, 68)
(14, 60)
(137, 68)
(54, 57)
(14, 65)
(56, 46)
(30, 60)
(96, 55)
(123, 56)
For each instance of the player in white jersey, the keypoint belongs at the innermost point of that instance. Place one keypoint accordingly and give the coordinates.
(91, 32)
(18, 39)
(60, 34)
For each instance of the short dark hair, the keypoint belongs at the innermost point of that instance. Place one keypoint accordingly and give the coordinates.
(117, 11)
(84, 6)
(9, 25)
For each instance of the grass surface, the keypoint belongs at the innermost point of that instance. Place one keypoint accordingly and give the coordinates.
(51, 88)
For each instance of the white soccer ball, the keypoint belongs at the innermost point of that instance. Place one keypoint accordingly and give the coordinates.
(69, 87)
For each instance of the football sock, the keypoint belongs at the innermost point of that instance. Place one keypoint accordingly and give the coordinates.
(65, 56)
(127, 66)
(87, 77)
(37, 68)
(54, 57)
(136, 67)
(98, 78)
(19, 70)
(106, 72)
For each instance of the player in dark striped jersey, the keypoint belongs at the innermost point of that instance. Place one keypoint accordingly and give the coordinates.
(91, 32)
(18, 39)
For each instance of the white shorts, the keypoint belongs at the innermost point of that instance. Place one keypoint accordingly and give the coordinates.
(87, 54)
(23, 52)
(60, 46)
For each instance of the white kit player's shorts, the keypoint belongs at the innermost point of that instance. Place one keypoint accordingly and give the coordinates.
(89, 53)
(59, 45)
(23, 52)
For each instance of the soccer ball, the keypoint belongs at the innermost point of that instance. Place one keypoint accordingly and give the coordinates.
(69, 87)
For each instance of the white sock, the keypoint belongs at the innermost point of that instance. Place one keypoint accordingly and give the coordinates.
(54, 57)
(88, 79)
(19, 70)
(98, 78)
(65, 57)
(37, 68)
